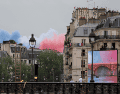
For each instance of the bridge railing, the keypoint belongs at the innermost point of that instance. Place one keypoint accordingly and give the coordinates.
(59, 88)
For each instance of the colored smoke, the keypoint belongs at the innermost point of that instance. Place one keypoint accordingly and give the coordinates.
(54, 43)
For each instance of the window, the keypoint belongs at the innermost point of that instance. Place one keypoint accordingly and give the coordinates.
(83, 41)
(25, 61)
(83, 74)
(113, 45)
(83, 53)
(83, 63)
(105, 33)
(24, 49)
(29, 61)
(105, 45)
(13, 55)
(21, 61)
(85, 31)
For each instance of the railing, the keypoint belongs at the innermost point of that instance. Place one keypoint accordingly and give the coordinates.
(84, 45)
(60, 88)
(108, 49)
(108, 37)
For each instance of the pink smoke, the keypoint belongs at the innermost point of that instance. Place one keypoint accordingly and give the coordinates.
(55, 43)
(109, 56)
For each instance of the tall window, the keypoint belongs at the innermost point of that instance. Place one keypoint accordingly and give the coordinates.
(83, 62)
(113, 45)
(83, 74)
(25, 61)
(29, 61)
(83, 53)
(83, 41)
(13, 55)
(105, 33)
(105, 45)
(85, 31)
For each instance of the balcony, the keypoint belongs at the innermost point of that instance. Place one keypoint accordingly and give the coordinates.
(108, 49)
(108, 37)
(83, 45)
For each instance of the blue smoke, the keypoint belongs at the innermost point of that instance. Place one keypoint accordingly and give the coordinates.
(5, 36)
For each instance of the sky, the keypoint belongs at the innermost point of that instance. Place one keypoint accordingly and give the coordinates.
(102, 56)
(46, 19)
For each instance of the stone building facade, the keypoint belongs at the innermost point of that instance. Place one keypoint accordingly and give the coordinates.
(77, 39)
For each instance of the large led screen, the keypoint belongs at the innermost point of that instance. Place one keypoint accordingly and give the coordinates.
(104, 66)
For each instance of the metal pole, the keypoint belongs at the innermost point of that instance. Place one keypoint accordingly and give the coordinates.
(32, 62)
(92, 66)
(92, 61)
(82, 64)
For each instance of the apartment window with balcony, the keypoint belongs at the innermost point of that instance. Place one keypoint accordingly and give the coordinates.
(85, 31)
(83, 53)
(105, 33)
(83, 41)
(113, 45)
(83, 61)
(83, 74)
(105, 45)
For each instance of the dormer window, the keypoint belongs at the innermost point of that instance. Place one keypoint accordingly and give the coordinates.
(85, 31)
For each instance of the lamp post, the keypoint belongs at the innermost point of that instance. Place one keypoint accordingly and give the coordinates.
(32, 42)
(91, 40)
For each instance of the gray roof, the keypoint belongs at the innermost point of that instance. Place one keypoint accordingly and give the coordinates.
(80, 30)
(89, 25)
(110, 22)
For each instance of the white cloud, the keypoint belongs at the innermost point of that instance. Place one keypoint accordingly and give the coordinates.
(25, 39)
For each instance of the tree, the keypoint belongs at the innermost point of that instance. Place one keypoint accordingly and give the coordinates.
(5, 68)
(48, 61)
(25, 72)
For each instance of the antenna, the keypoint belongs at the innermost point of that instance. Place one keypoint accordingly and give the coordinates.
(94, 4)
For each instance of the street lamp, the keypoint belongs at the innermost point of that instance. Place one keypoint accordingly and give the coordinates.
(32, 42)
(91, 40)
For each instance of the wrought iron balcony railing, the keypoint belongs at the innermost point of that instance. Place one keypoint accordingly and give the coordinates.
(82, 45)
(108, 49)
(62, 88)
(107, 37)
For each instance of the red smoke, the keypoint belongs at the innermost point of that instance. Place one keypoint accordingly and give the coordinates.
(55, 43)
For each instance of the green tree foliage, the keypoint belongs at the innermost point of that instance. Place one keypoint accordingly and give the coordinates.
(48, 61)
(5, 68)
(26, 71)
